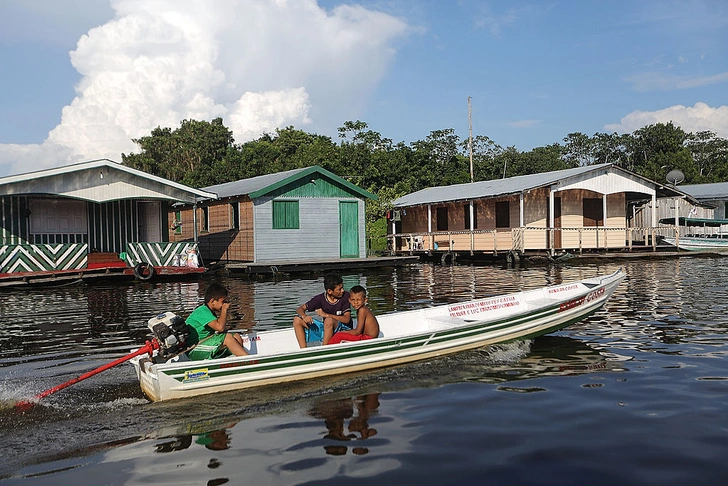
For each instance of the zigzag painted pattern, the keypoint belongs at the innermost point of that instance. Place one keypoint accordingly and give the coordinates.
(42, 258)
(157, 254)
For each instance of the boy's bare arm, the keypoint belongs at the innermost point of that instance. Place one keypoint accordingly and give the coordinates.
(361, 322)
(220, 323)
(370, 325)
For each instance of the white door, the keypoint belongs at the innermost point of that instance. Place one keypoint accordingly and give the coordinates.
(150, 221)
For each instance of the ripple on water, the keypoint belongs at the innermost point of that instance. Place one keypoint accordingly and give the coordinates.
(648, 369)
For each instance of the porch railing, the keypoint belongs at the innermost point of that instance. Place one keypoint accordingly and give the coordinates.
(531, 238)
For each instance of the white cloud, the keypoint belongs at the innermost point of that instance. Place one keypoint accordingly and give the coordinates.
(267, 111)
(17, 159)
(690, 118)
(259, 64)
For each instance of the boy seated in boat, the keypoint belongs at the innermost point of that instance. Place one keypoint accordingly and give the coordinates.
(367, 326)
(332, 308)
(207, 325)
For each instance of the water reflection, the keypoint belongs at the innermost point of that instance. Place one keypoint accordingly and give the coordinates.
(352, 411)
(214, 440)
(665, 308)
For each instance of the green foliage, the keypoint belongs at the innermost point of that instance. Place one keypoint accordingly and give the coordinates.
(377, 236)
(190, 154)
(201, 154)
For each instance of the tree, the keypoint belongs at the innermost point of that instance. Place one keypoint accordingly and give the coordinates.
(709, 153)
(485, 152)
(657, 149)
(579, 150)
(363, 154)
(610, 149)
(186, 154)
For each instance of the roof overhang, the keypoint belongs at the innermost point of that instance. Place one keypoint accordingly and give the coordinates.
(602, 178)
(100, 181)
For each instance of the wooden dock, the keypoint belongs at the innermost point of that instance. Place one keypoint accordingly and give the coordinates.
(90, 275)
(323, 265)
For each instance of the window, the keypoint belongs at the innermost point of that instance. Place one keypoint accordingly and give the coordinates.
(235, 215)
(441, 219)
(285, 215)
(503, 214)
(593, 212)
(466, 218)
(205, 219)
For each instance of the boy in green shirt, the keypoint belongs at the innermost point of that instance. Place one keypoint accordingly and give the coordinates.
(210, 319)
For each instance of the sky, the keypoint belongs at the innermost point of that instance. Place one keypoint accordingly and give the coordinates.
(82, 78)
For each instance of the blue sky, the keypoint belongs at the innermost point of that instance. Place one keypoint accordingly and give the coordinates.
(81, 78)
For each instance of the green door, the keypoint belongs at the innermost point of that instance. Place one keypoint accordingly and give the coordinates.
(349, 229)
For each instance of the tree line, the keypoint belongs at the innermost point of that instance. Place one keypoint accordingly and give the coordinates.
(201, 154)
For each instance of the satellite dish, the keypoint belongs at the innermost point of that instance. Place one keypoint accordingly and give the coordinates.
(675, 177)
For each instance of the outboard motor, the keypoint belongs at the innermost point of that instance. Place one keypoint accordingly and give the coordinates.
(171, 333)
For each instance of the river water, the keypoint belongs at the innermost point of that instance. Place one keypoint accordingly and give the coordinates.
(636, 394)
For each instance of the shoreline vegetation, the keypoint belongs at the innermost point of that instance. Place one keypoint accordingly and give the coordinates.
(201, 154)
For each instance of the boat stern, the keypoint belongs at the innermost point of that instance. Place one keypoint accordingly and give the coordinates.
(147, 376)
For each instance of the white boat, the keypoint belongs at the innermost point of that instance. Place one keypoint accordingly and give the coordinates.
(405, 337)
(696, 243)
(701, 240)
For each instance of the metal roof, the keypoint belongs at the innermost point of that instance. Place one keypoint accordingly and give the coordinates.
(99, 181)
(261, 185)
(704, 192)
(516, 185)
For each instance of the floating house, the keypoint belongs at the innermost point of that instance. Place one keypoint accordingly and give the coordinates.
(714, 195)
(83, 216)
(585, 208)
(300, 214)
(707, 218)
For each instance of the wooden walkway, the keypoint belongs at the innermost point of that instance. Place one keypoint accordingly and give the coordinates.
(307, 266)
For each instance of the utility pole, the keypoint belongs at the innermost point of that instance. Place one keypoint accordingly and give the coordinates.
(470, 139)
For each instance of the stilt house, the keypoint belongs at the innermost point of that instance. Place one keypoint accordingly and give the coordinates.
(55, 219)
(585, 208)
(300, 214)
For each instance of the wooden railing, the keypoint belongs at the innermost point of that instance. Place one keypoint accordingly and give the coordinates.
(531, 238)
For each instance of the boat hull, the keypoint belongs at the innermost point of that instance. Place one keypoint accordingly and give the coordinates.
(697, 244)
(406, 337)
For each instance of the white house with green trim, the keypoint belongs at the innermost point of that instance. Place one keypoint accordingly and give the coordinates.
(53, 219)
(302, 214)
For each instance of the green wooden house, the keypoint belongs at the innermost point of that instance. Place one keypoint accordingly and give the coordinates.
(301, 214)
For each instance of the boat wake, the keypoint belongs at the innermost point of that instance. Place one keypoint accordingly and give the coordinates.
(507, 353)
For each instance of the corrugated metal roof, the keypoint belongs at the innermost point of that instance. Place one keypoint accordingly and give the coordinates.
(714, 191)
(519, 184)
(254, 184)
(261, 185)
(100, 181)
(498, 187)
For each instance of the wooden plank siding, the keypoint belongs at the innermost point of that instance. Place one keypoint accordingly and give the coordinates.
(221, 240)
(308, 225)
(533, 235)
(317, 235)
